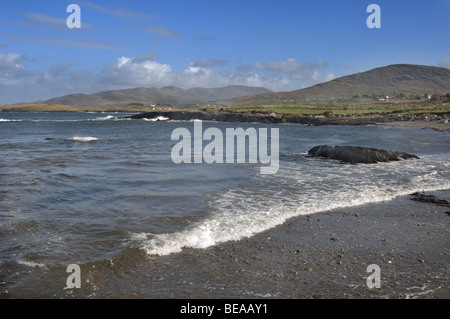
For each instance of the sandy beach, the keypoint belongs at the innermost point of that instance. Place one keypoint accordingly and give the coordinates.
(326, 255)
(321, 256)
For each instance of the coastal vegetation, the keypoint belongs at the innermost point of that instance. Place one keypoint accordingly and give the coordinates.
(437, 104)
(354, 106)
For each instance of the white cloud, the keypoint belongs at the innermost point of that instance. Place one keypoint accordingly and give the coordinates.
(291, 73)
(445, 63)
(122, 61)
(12, 71)
(17, 82)
(133, 72)
(129, 73)
(10, 62)
(329, 77)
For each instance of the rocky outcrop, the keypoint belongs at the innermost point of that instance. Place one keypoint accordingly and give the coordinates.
(356, 154)
(273, 118)
(210, 116)
(253, 117)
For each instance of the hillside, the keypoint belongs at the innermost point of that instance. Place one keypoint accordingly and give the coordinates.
(389, 80)
(167, 95)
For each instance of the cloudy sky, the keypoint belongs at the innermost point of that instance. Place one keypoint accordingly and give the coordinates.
(281, 45)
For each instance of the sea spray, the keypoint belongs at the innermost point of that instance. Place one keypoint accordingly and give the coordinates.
(244, 212)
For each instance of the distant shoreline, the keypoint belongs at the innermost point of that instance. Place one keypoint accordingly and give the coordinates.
(437, 122)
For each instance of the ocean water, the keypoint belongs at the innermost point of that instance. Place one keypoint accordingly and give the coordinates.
(99, 191)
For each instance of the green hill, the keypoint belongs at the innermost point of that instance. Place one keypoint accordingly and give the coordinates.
(389, 80)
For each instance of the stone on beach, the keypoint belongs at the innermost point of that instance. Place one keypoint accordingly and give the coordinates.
(429, 199)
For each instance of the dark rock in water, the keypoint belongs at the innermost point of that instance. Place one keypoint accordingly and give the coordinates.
(429, 199)
(210, 116)
(357, 154)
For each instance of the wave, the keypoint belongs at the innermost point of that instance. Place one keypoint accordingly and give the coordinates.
(83, 139)
(31, 264)
(7, 120)
(156, 119)
(297, 190)
(109, 117)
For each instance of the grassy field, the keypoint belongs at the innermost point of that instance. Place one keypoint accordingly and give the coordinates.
(341, 107)
(347, 107)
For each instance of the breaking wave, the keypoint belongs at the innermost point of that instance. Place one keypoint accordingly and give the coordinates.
(83, 139)
(297, 190)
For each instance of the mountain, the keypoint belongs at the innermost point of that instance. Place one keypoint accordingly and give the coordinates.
(167, 95)
(389, 80)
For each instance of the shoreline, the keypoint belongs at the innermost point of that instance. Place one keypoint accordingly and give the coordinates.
(319, 256)
(439, 122)
(326, 255)
(436, 122)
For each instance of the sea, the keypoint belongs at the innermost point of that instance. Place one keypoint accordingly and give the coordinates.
(101, 191)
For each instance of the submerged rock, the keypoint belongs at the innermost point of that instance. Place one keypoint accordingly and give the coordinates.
(357, 154)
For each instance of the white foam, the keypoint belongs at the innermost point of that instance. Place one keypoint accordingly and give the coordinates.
(7, 120)
(109, 117)
(295, 191)
(159, 118)
(31, 264)
(83, 139)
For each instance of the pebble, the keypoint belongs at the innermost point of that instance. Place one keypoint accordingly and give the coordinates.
(333, 237)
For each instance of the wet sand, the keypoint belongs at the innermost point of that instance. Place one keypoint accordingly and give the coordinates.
(318, 256)
(323, 256)
(326, 255)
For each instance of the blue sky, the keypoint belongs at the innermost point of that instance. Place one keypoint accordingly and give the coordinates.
(282, 45)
